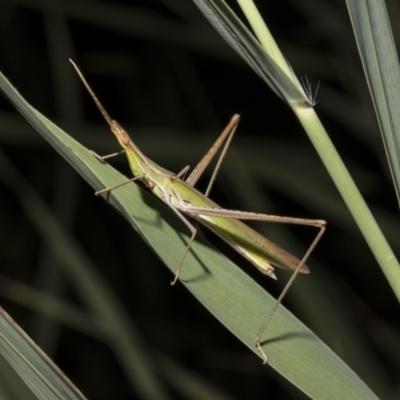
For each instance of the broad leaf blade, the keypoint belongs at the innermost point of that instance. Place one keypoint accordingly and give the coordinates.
(223, 288)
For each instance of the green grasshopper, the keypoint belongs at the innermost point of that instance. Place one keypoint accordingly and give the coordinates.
(183, 199)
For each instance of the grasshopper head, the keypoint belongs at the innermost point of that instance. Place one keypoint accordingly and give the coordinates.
(120, 133)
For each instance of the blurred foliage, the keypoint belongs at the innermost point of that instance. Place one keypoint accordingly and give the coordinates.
(172, 82)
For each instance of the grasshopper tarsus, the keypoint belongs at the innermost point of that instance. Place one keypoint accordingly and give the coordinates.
(98, 156)
(261, 351)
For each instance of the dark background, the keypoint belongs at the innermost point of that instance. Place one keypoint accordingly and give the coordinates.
(172, 82)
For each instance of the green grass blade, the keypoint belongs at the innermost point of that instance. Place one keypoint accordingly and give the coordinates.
(272, 69)
(37, 371)
(223, 288)
(218, 10)
(381, 66)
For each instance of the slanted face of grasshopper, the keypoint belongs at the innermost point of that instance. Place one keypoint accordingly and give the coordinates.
(184, 200)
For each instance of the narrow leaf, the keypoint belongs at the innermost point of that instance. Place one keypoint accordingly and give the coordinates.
(381, 66)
